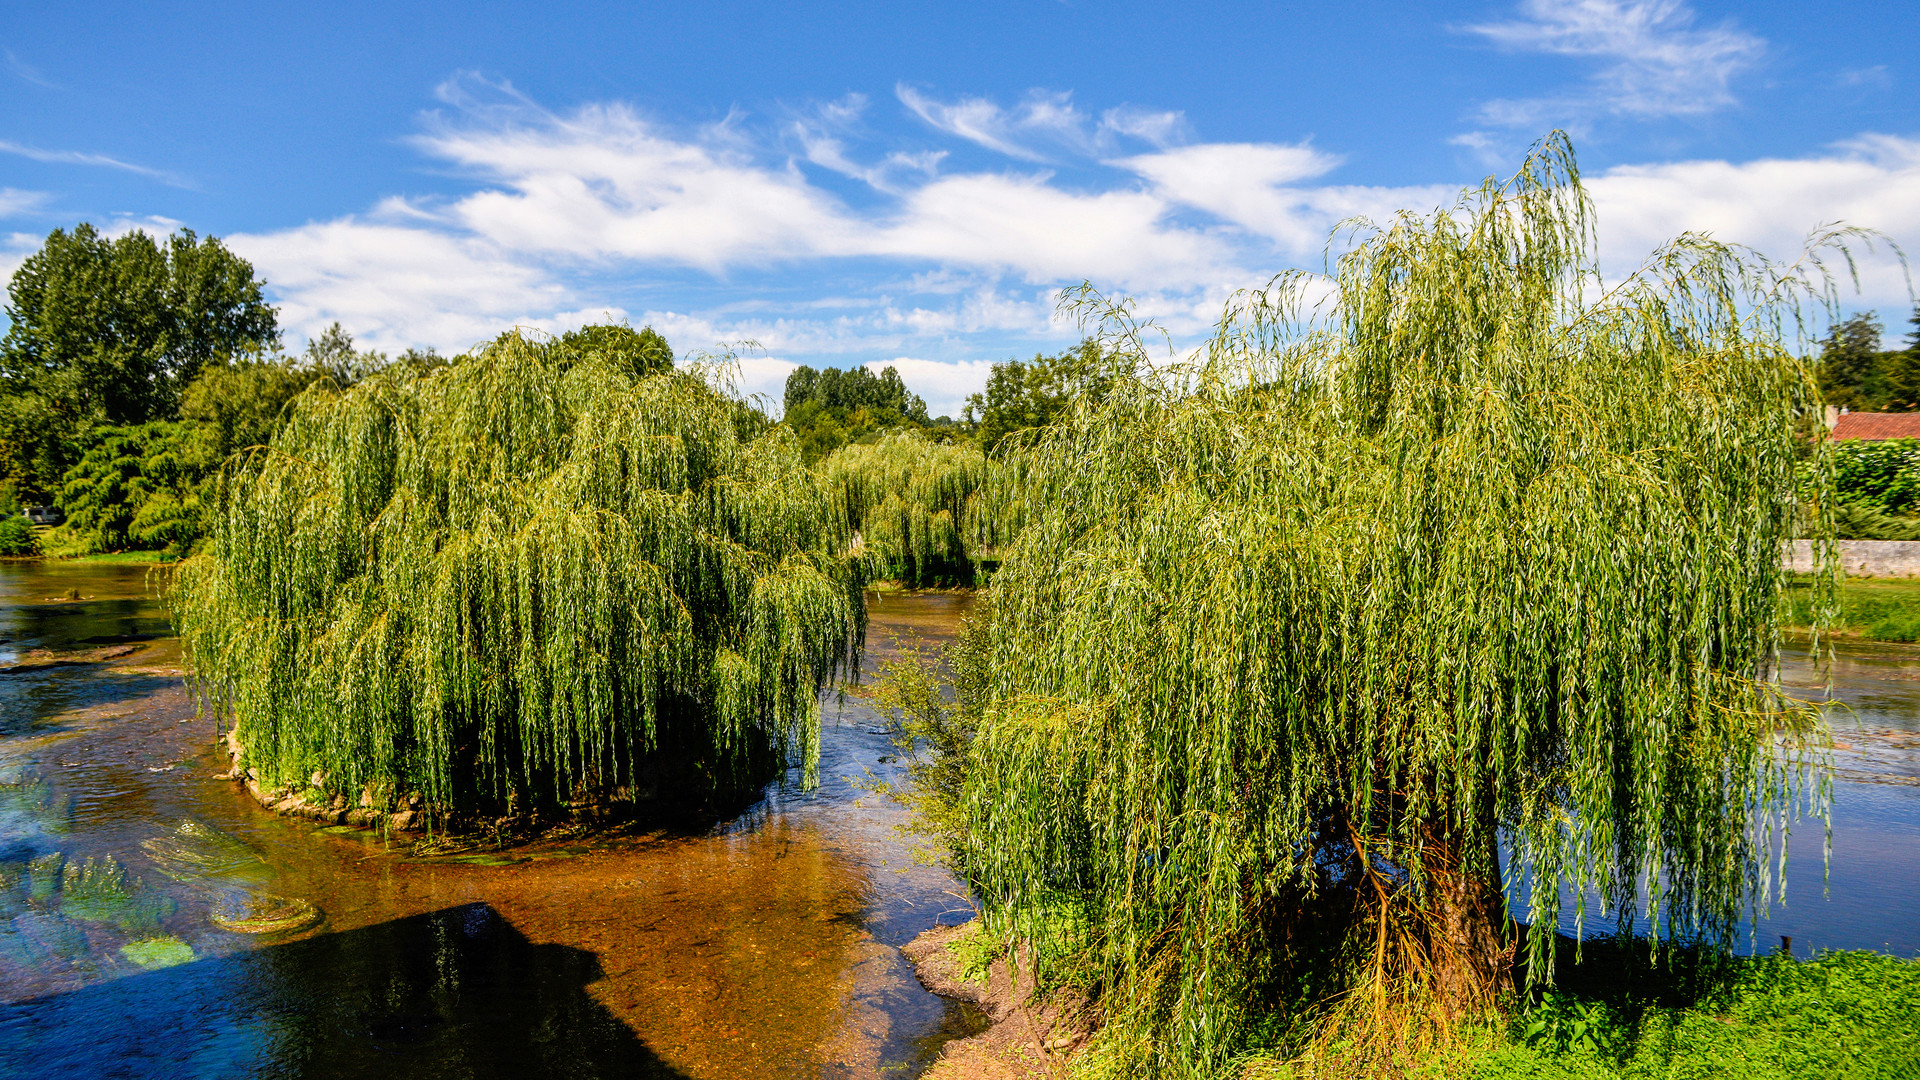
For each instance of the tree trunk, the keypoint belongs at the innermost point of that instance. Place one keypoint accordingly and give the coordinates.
(1469, 940)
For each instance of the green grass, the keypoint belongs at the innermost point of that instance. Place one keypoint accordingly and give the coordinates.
(131, 558)
(1842, 1014)
(1878, 609)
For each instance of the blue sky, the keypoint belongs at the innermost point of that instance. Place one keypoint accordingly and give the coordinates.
(912, 183)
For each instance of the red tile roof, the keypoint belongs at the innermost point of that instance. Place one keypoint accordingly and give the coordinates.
(1877, 425)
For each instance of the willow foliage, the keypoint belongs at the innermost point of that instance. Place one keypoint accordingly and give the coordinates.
(1476, 555)
(913, 504)
(545, 572)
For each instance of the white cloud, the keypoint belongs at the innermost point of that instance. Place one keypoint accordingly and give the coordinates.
(943, 385)
(603, 183)
(75, 157)
(1244, 183)
(1028, 226)
(14, 250)
(1045, 117)
(565, 208)
(820, 136)
(1771, 205)
(1655, 62)
(1161, 129)
(395, 286)
(14, 201)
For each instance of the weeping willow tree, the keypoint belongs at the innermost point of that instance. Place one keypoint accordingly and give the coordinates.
(913, 504)
(548, 572)
(1475, 555)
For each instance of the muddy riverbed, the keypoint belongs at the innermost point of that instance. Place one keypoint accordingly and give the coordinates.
(155, 921)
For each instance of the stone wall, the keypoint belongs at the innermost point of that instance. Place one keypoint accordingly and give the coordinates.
(1864, 558)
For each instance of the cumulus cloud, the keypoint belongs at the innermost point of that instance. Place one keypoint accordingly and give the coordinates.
(395, 286)
(722, 234)
(1770, 204)
(1653, 60)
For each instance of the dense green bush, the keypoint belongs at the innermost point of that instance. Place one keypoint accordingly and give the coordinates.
(1882, 475)
(139, 487)
(16, 538)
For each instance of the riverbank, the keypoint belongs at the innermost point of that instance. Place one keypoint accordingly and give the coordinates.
(1029, 1037)
(1873, 609)
(1617, 1015)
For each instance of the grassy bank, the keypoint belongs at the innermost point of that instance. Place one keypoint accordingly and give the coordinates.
(128, 558)
(1842, 1014)
(1878, 609)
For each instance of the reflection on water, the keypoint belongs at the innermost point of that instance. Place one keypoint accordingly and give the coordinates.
(155, 922)
(1870, 895)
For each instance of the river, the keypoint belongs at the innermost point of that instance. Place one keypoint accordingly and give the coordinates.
(766, 946)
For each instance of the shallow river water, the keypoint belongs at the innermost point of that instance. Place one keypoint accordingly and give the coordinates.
(767, 946)
(764, 947)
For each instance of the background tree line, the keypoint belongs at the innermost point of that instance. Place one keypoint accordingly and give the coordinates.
(1858, 375)
(130, 370)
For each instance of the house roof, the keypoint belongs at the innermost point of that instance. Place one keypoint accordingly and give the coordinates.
(1876, 425)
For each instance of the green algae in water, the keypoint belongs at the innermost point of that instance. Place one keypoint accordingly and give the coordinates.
(32, 797)
(195, 851)
(43, 877)
(158, 952)
(102, 892)
(264, 913)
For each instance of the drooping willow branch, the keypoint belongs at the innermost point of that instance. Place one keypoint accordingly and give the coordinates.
(1461, 557)
(542, 573)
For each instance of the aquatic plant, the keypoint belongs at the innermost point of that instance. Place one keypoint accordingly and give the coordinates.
(43, 876)
(101, 891)
(263, 913)
(1481, 550)
(912, 502)
(196, 852)
(544, 572)
(35, 799)
(158, 952)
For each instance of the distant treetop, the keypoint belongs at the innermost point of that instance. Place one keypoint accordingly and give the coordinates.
(854, 388)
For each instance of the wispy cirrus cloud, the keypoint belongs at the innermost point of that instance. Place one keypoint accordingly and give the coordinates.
(1045, 126)
(76, 157)
(26, 72)
(1653, 60)
(1038, 128)
(824, 131)
(14, 201)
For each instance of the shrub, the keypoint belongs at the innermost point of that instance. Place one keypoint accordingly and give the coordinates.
(16, 538)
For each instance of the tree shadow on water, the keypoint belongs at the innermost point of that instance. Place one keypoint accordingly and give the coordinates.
(453, 993)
